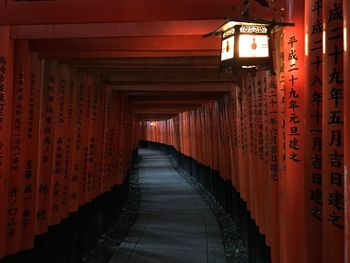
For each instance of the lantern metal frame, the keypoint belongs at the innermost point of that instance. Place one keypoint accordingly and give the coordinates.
(233, 27)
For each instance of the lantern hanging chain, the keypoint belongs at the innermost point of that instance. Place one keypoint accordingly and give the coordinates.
(246, 4)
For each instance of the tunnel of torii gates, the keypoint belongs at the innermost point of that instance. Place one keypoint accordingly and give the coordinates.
(83, 82)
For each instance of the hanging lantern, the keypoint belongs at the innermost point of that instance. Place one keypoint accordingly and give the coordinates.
(246, 44)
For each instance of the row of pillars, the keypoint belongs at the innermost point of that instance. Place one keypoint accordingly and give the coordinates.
(283, 140)
(65, 140)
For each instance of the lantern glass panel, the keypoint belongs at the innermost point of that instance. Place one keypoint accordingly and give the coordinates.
(253, 46)
(227, 48)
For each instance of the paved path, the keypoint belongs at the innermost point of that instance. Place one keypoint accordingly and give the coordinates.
(174, 224)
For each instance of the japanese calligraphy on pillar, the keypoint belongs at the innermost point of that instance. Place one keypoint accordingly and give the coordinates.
(281, 85)
(105, 113)
(292, 185)
(274, 165)
(346, 10)
(6, 80)
(45, 148)
(313, 165)
(78, 109)
(272, 111)
(333, 110)
(21, 93)
(294, 150)
(313, 127)
(101, 113)
(67, 156)
(59, 146)
(333, 154)
(87, 83)
(31, 161)
(91, 142)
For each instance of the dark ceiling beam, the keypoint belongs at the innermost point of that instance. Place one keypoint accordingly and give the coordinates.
(107, 11)
(154, 117)
(127, 29)
(161, 110)
(168, 95)
(140, 77)
(162, 43)
(126, 54)
(165, 102)
(145, 61)
(169, 107)
(116, 77)
(170, 87)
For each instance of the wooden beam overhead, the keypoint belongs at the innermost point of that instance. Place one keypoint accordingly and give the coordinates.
(198, 61)
(162, 43)
(164, 78)
(126, 29)
(173, 87)
(108, 11)
(68, 54)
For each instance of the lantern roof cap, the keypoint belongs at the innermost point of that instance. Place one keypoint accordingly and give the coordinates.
(246, 21)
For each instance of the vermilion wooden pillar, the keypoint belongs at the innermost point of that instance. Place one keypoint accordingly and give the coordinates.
(31, 161)
(59, 145)
(294, 92)
(105, 155)
(68, 150)
(313, 129)
(6, 81)
(45, 147)
(87, 83)
(16, 211)
(333, 133)
(78, 98)
(274, 165)
(282, 181)
(251, 87)
(347, 126)
(233, 135)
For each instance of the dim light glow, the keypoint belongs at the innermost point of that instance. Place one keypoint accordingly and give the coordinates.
(306, 44)
(227, 48)
(253, 46)
(152, 123)
(345, 39)
(324, 40)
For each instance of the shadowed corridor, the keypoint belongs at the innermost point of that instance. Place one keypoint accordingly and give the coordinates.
(174, 224)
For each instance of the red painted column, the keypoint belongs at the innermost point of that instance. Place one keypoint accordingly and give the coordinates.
(282, 181)
(19, 144)
(105, 155)
(71, 112)
(313, 129)
(294, 92)
(31, 161)
(333, 133)
(6, 82)
(92, 143)
(346, 10)
(87, 83)
(233, 136)
(78, 99)
(274, 165)
(253, 133)
(59, 146)
(68, 150)
(45, 148)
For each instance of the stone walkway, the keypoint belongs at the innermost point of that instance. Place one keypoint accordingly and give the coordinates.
(174, 224)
